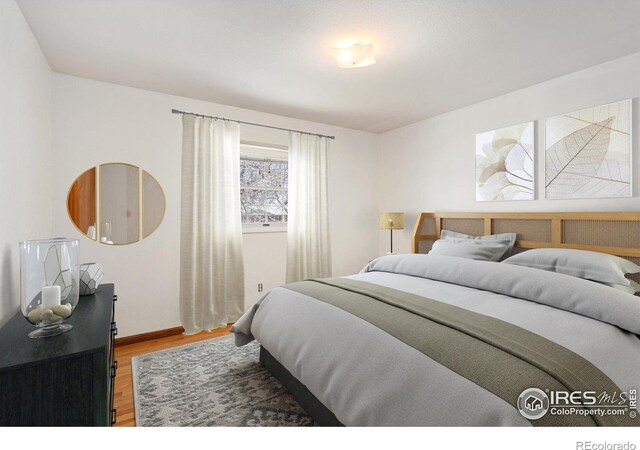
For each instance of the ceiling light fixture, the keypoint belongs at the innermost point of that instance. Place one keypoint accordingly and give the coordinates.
(356, 55)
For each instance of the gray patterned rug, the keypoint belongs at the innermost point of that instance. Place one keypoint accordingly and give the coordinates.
(211, 383)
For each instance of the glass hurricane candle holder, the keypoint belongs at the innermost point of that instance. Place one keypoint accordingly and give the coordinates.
(49, 284)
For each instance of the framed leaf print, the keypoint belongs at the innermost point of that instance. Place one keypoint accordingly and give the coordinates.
(588, 153)
(505, 163)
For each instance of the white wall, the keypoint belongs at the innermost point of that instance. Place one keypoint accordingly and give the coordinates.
(25, 148)
(429, 166)
(95, 122)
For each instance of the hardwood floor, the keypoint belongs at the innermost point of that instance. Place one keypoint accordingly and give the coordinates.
(123, 392)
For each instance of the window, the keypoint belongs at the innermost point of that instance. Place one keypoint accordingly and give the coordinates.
(264, 181)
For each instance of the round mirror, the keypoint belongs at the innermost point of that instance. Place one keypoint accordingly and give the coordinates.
(116, 204)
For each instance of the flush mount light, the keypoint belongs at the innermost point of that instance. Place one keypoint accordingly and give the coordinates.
(356, 55)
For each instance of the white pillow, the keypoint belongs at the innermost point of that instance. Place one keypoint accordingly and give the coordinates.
(470, 249)
(508, 239)
(632, 289)
(593, 266)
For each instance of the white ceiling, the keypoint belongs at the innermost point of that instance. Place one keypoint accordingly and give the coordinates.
(275, 55)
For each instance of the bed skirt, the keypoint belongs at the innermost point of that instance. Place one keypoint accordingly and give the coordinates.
(320, 413)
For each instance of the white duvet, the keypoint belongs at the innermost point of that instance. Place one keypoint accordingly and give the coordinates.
(367, 377)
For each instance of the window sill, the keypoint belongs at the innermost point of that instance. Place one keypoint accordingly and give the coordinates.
(271, 229)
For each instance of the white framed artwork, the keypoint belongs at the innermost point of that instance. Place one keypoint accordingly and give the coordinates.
(588, 153)
(505, 163)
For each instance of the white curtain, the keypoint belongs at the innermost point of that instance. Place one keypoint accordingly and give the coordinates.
(308, 247)
(211, 262)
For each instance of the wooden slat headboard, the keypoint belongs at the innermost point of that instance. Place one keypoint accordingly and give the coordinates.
(616, 233)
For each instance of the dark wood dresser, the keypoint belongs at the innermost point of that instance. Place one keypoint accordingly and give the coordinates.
(65, 379)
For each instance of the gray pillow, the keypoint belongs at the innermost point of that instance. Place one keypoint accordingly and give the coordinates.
(632, 289)
(508, 239)
(469, 248)
(593, 266)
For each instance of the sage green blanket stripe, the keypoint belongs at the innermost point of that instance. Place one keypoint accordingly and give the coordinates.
(570, 369)
(500, 357)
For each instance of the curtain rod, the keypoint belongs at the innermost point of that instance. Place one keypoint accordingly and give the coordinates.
(177, 111)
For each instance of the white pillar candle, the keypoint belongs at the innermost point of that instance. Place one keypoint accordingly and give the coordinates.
(50, 296)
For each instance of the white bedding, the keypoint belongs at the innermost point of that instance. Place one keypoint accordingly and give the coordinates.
(367, 377)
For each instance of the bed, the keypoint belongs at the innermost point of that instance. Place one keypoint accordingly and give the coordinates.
(432, 340)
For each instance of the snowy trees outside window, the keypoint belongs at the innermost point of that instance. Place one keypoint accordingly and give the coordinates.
(263, 191)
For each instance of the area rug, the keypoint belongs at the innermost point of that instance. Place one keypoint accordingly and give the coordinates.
(211, 383)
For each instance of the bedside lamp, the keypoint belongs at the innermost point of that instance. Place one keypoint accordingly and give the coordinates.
(392, 221)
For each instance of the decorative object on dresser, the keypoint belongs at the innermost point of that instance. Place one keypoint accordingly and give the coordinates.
(392, 221)
(588, 153)
(505, 163)
(90, 277)
(64, 380)
(48, 284)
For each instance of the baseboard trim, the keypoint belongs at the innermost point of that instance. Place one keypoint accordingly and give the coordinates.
(136, 338)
